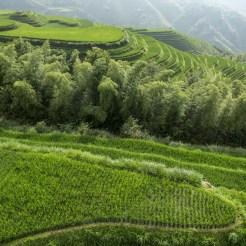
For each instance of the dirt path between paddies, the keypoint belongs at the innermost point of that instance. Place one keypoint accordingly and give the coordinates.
(49, 233)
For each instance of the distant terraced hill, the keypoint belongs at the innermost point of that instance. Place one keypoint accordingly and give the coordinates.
(169, 49)
(205, 19)
(34, 26)
(181, 41)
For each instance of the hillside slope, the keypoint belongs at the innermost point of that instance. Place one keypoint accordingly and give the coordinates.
(107, 181)
(122, 44)
(34, 26)
(207, 20)
(224, 28)
(181, 41)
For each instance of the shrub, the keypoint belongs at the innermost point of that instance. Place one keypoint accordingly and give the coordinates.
(100, 133)
(84, 129)
(233, 238)
(184, 176)
(131, 128)
(32, 130)
(68, 128)
(41, 127)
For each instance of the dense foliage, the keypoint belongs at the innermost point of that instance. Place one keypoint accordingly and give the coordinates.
(43, 84)
(122, 236)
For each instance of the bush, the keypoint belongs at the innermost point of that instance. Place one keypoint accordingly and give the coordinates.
(8, 124)
(100, 133)
(209, 242)
(32, 130)
(184, 176)
(131, 128)
(233, 238)
(41, 127)
(84, 129)
(68, 128)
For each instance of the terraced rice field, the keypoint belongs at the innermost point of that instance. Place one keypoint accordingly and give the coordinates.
(90, 34)
(170, 49)
(181, 41)
(147, 48)
(35, 26)
(67, 182)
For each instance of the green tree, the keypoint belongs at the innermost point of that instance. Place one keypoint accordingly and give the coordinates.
(108, 91)
(57, 91)
(22, 46)
(33, 67)
(5, 63)
(239, 119)
(25, 102)
(162, 106)
(204, 108)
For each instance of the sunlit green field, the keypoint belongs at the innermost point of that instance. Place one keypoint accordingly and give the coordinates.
(58, 28)
(66, 183)
(93, 188)
(6, 23)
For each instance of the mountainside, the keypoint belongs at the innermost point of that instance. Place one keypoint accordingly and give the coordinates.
(181, 42)
(166, 47)
(72, 183)
(211, 21)
(238, 5)
(224, 28)
(97, 126)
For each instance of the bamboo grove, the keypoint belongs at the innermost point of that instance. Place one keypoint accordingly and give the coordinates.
(44, 84)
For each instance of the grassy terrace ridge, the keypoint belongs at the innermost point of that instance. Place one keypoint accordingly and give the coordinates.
(97, 34)
(79, 187)
(180, 41)
(63, 182)
(6, 23)
(219, 169)
(168, 48)
(33, 26)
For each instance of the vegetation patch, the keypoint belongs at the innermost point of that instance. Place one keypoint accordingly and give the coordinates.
(112, 235)
(181, 41)
(62, 192)
(67, 22)
(28, 18)
(6, 25)
(95, 82)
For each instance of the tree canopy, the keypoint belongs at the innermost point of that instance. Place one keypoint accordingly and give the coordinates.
(45, 84)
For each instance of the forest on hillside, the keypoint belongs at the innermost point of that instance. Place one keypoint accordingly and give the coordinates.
(41, 84)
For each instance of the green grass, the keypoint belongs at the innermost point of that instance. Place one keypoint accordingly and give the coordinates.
(35, 26)
(63, 21)
(181, 41)
(53, 181)
(78, 34)
(6, 23)
(219, 169)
